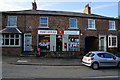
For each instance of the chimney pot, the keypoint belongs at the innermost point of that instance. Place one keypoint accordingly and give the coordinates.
(87, 9)
(34, 5)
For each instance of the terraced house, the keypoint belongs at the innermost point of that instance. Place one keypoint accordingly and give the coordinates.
(57, 31)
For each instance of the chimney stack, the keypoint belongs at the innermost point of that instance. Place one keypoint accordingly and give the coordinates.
(34, 5)
(87, 9)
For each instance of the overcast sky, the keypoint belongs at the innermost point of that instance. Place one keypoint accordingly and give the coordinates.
(107, 8)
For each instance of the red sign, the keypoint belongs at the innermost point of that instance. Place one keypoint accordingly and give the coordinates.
(65, 45)
(60, 32)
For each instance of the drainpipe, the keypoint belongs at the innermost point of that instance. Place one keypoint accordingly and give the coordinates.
(84, 34)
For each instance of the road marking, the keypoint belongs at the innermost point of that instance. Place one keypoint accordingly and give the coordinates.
(103, 77)
(22, 61)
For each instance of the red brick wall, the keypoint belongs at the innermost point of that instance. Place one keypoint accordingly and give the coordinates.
(16, 51)
(60, 23)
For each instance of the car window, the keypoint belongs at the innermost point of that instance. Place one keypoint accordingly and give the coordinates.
(106, 55)
(101, 55)
(89, 55)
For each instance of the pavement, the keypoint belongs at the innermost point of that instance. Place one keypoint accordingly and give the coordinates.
(41, 61)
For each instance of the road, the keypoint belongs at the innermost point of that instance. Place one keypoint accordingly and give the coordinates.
(34, 71)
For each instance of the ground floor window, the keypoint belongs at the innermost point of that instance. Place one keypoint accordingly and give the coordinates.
(112, 41)
(73, 43)
(44, 43)
(10, 39)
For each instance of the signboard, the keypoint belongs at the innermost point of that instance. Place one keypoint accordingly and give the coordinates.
(60, 32)
(71, 32)
(47, 32)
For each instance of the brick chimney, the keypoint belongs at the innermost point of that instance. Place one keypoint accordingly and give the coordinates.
(87, 9)
(34, 5)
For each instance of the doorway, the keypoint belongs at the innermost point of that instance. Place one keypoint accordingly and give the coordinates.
(102, 43)
(59, 43)
(27, 42)
(91, 43)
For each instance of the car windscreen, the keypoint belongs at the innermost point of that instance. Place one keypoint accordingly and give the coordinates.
(89, 55)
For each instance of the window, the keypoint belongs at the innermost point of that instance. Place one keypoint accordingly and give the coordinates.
(101, 55)
(111, 25)
(91, 24)
(89, 55)
(73, 23)
(105, 55)
(43, 22)
(44, 43)
(112, 41)
(11, 40)
(108, 55)
(73, 43)
(12, 21)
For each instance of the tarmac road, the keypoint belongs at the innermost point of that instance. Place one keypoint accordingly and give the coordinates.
(57, 72)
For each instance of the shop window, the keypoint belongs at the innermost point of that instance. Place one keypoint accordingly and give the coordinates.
(73, 23)
(44, 22)
(73, 43)
(112, 41)
(44, 43)
(10, 40)
(111, 25)
(12, 21)
(91, 24)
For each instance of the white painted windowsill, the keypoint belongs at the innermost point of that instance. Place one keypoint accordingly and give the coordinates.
(91, 28)
(11, 26)
(73, 28)
(43, 27)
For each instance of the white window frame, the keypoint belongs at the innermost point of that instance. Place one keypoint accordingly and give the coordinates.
(94, 24)
(43, 23)
(113, 26)
(75, 26)
(3, 38)
(111, 46)
(8, 21)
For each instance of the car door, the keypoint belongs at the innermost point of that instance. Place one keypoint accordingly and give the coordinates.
(110, 59)
(102, 60)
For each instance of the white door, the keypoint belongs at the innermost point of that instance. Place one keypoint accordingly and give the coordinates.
(102, 43)
(27, 42)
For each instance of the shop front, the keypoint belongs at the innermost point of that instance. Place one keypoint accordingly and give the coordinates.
(53, 40)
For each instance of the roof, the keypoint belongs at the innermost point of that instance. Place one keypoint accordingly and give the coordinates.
(11, 30)
(63, 13)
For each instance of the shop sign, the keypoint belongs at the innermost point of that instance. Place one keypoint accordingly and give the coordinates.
(71, 32)
(47, 32)
(60, 32)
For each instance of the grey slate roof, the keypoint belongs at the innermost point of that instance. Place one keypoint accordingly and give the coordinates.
(64, 13)
(10, 30)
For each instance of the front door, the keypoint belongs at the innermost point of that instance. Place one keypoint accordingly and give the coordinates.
(59, 43)
(102, 43)
(27, 42)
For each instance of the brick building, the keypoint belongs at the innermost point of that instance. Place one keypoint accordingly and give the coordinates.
(57, 31)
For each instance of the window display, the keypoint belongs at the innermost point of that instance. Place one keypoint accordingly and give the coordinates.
(73, 43)
(44, 43)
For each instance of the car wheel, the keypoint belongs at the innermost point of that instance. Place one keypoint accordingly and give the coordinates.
(118, 65)
(95, 66)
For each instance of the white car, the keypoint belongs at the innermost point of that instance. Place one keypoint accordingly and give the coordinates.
(96, 59)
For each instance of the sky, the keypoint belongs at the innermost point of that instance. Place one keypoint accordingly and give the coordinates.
(107, 8)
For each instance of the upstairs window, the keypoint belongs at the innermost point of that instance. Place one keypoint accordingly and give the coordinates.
(73, 23)
(111, 25)
(43, 22)
(91, 24)
(12, 21)
(112, 41)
